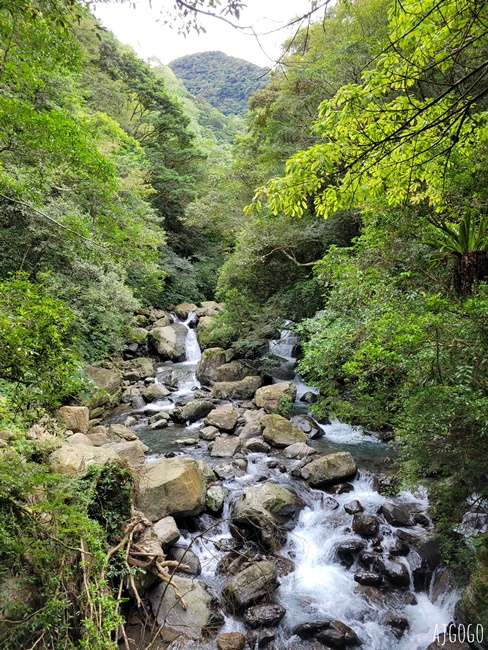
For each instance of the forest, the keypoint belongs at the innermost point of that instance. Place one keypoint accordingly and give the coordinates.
(348, 202)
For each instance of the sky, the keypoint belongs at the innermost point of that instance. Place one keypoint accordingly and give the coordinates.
(142, 27)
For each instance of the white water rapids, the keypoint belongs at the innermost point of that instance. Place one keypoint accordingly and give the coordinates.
(320, 586)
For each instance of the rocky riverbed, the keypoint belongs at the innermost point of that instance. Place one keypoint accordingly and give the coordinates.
(286, 533)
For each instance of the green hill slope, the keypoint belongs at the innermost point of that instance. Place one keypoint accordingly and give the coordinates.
(224, 81)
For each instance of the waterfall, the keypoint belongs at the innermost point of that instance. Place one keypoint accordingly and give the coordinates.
(192, 348)
(286, 345)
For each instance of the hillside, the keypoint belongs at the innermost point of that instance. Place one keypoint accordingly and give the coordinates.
(224, 81)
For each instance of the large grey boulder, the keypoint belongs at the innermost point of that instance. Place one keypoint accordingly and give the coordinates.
(118, 432)
(169, 341)
(253, 425)
(155, 392)
(329, 469)
(255, 583)
(264, 509)
(195, 410)
(72, 459)
(172, 486)
(198, 619)
(265, 505)
(279, 432)
(236, 390)
(225, 447)
(299, 450)
(211, 359)
(132, 451)
(75, 418)
(224, 418)
(270, 397)
(215, 498)
(397, 515)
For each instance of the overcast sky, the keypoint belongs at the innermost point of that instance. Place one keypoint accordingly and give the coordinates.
(143, 29)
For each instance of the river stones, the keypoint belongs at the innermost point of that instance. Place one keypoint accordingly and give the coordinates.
(225, 447)
(231, 641)
(187, 558)
(223, 417)
(257, 445)
(107, 388)
(215, 498)
(264, 615)
(396, 572)
(139, 368)
(169, 341)
(167, 532)
(279, 432)
(308, 425)
(368, 578)
(198, 619)
(237, 390)
(330, 632)
(256, 582)
(264, 509)
(329, 469)
(365, 525)
(398, 624)
(172, 486)
(208, 433)
(193, 411)
(211, 359)
(155, 392)
(396, 515)
(299, 450)
(271, 397)
(353, 507)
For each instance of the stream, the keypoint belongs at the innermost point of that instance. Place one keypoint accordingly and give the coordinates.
(321, 584)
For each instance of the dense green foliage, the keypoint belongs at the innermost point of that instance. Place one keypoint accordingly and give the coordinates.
(224, 81)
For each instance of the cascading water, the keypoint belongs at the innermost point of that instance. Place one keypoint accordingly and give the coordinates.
(319, 586)
(192, 347)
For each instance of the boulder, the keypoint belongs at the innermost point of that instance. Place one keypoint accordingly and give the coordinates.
(225, 447)
(215, 498)
(353, 507)
(329, 469)
(257, 445)
(308, 425)
(75, 418)
(231, 641)
(80, 439)
(264, 509)
(98, 436)
(195, 410)
(106, 386)
(237, 390)
(233, 371)
(155, 392)
(184, 309)
(309, 397)
(208, 473)
(256, 582)
(167, 532)
(446, 643)
(279, 432)
(132, 451)
(270, 397)
(365, 525)
(194, 621)
(396, 515)
(299, 450)
(71, 459)
(208, 433)
(118, 432)
(187, 558)
(139, 368)
(396, 572)
(169, 341)
(224, 418)
(264, 615)
(211, 359)
(253, 426)
(172, 486)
